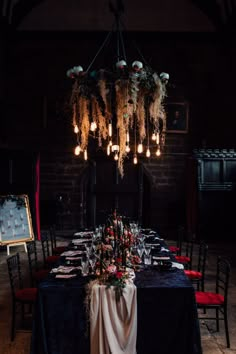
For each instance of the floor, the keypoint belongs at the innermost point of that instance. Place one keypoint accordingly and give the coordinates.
(212, 342)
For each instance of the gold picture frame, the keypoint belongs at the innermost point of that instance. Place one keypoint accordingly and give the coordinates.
(15, 219)
(177, 117)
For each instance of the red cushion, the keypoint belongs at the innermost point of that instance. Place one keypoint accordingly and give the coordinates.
(173, 249)
(40, 274)
(182, 259)
(26, 294)
(207, 298)
(58, 250)
(52, 259)
(193, 274)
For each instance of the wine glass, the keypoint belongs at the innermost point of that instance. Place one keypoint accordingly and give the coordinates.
(85, 266)
(147, 250)
(92, 262)
(88, 248)
(140, 249)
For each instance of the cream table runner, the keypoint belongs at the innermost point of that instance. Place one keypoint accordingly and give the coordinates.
(113, 324)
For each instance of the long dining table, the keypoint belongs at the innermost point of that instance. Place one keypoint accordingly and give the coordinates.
(166, 313)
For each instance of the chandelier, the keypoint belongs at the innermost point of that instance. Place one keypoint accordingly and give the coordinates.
(121, 108)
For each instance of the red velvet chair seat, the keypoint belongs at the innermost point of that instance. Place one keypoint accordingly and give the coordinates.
(182, 259)
(40, 274)
(52, 259)
(174, 249)
(26, 294)
(193, 274)
(58, 250)
(208, 298)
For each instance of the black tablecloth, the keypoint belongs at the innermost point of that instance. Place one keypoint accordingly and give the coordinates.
(167, 315)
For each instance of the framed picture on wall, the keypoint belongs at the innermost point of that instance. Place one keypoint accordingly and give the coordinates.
(177, 115)
(15, 219)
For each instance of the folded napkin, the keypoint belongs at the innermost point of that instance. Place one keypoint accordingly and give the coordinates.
(63, 269)
(151, 238)
(177, 265)
(163, 249)
(80, 240)
(83, 233)
(73, 258)
(65, 276)
(72, 253)
(148, 231)
(152, 244)
(160, 258)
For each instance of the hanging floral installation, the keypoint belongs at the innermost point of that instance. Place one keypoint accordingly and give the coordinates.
(123, 110)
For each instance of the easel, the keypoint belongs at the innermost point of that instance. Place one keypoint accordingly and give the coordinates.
(15, 221)
(16, 244)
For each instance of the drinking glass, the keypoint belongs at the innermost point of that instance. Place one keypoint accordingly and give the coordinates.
(88, 247)
(140, 250)
(92, 262)
(147, 259)
(85, 266)
(147, 250)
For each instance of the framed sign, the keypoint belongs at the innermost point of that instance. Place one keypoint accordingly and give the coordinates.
(15, 219)
(177, 115)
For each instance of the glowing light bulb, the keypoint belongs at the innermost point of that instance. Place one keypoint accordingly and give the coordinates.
(135, 160)
(110, 143)
(108, 150)
(77, 150)
(140, 148)
(158, 153)
(76, 129)
(93, 126)
(127, 137)
(127, 148)
(116, 156)
(158, 138)
(85, 155)
(110, 129)
(154, 136)
(148, 153)
(115, 148)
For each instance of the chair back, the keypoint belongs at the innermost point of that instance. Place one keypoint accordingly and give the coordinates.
(189, 247)
(202, 256)
(14, 271)
(222, 278)
(53, 238)
(180, 238)
(201, 264)
(45, 239)
(32, 259)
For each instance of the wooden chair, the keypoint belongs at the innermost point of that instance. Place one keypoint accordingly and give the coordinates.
(176, 250)
(36, 272)
(48, 259)
(217, 300)
(197, 276)
(56, 250)
(186, 255)
(20, 295)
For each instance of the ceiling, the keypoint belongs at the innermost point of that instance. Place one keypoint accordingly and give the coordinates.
(94, 15)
